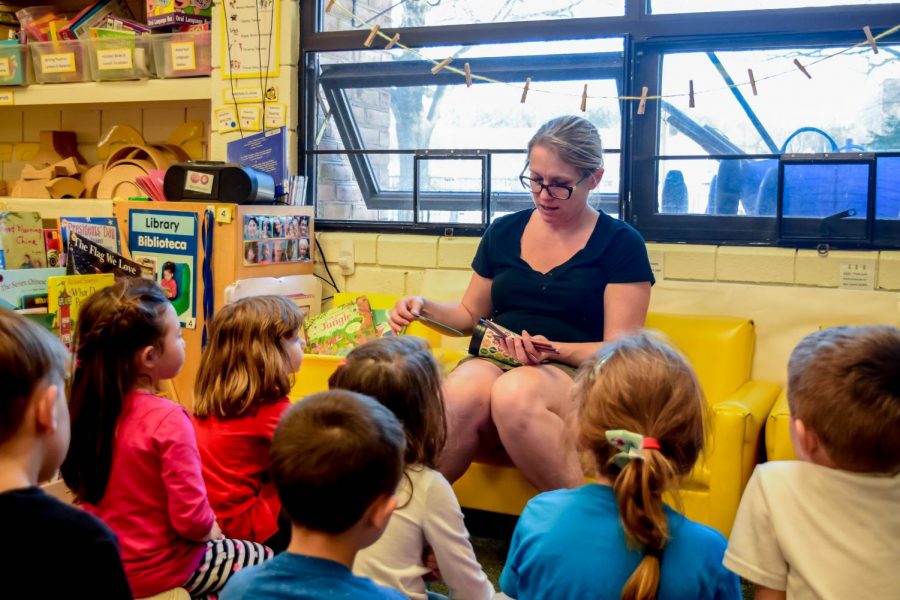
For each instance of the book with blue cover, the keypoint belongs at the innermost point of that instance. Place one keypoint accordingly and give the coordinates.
(266, 152)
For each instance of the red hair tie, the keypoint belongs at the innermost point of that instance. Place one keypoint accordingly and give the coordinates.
(650, 443)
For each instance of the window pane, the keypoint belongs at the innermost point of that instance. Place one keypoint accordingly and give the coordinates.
(419, 13)
(661, 7)
(441, 179)
(887, 188)
(825, 201)
(736, 187)
(852, 102)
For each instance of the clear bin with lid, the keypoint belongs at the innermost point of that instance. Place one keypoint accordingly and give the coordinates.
(63, 61)
(14, 64)
(117, 58)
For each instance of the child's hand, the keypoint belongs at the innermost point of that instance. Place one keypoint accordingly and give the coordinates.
(214, 534)
(431, 563)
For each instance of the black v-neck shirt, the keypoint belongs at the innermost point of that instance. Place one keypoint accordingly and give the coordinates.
(565, 303)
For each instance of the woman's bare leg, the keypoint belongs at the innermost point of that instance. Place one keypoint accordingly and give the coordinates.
(529, 407)
(467, 394)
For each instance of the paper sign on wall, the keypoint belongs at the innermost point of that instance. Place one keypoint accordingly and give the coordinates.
(275, 115)
(226, 119)
(858, 275)
(251, 118)
(252, 38)
(168, 242)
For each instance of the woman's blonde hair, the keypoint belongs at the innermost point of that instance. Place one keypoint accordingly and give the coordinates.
(574, 139)
(246, 361)
(642, 385)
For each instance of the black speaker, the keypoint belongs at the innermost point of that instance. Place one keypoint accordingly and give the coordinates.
(225, 182)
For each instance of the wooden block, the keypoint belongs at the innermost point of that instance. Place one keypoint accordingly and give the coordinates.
(65, 187)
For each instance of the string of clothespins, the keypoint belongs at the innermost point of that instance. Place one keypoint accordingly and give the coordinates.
(466, 72)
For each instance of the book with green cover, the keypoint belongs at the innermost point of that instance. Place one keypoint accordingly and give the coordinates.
(339, 330)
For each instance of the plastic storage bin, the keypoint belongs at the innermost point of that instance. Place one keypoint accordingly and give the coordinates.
(184, 54)
(60, 62)
(14, 65)
(117, 58)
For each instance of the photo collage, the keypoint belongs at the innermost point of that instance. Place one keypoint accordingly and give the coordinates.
(270, 239)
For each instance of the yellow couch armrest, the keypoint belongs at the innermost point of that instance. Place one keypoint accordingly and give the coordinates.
(736, 424)
(778, 431)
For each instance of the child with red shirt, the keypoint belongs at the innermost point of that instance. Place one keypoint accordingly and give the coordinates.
(246, 371)
(133, 457)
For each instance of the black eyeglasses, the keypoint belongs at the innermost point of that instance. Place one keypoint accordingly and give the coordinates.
(556, 190)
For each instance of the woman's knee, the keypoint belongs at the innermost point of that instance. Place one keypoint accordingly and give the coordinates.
(467, 395)
(516, 397)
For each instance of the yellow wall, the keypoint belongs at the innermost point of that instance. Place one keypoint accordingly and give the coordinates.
(788, 293)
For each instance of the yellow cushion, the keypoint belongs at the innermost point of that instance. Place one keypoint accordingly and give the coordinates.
(778, 433)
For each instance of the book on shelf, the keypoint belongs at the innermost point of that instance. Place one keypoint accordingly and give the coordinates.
(22, 240)
(25, 288)
(65, 297)
(87, 257)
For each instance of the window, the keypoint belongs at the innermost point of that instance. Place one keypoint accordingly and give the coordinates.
(433, 13)
(379, 114)
(389, 144)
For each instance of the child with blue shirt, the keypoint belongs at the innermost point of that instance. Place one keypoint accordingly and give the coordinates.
(337, 458)
(641, 420)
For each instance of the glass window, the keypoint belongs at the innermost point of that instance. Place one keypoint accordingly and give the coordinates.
(661, 7)
(887, 187)
(385, 106)
(430, 13)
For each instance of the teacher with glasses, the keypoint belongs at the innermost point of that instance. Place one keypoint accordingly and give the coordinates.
(566, 276)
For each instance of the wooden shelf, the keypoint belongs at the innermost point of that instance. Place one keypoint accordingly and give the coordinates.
(105, 92)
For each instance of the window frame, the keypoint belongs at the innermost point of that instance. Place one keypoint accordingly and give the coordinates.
(646, 37)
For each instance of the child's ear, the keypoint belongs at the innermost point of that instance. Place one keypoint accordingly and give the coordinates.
(146, 358)
(381, 511)
(46, 412)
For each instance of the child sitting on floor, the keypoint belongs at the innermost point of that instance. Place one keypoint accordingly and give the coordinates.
(336, 460)
(828, 526)
(49, 549)
(640, 417)
(133, 461)
(401, 373)
(246, 371)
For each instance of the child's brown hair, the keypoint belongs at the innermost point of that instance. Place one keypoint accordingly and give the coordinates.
(401, 373)
(29, 357)
(333, 454)
(641, 385)
(844, 384)
(245, 362)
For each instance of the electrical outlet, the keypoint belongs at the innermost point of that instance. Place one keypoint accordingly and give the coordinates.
(347, 258)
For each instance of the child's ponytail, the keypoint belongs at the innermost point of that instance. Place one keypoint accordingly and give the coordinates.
(641, 417)
(113, 326)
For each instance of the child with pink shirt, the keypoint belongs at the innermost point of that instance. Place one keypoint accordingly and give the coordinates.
(133, 459)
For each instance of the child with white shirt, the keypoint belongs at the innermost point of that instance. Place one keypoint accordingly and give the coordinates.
(828, 526)
(401, 373)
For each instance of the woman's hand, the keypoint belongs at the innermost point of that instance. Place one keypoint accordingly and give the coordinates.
(522, 348)
(405, 312)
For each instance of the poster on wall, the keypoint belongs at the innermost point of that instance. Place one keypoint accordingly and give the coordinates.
(251, 44)
(271, 239)
(167, 242)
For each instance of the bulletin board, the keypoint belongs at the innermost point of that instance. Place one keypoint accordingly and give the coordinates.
(286, 231)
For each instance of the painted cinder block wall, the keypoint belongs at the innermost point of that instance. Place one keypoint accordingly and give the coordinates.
(788, 293)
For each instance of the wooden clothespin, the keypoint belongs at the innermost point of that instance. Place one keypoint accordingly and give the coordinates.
(525, 90)
(329, 5)
(441, 65)
(584, 99)
(468, 74)
(642, 105)
(802, 68)
(691, 93)
(372, 34)
(870, 39)
(393, 41)
(752, 81)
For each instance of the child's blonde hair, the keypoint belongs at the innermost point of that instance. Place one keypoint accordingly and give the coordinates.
(844, 384)
(401, 373)
(641, 385)
(246, 362)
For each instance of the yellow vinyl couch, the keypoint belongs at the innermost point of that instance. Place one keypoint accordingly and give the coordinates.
(721, 351)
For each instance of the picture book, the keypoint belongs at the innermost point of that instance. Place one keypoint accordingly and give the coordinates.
(22, 240)
(266, 152)
(339, 330)
(87, 258)
(101, 230)
(382, 324)
(65, 296)
(25, 288)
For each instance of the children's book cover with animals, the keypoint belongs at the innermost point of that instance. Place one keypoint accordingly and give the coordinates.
(65, 296)
(22, 240)
(339, 330)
